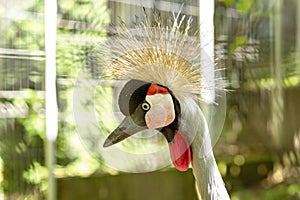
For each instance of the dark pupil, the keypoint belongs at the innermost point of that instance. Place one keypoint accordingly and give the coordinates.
(145, 106)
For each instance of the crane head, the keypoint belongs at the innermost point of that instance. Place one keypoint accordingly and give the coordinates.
(152, 106)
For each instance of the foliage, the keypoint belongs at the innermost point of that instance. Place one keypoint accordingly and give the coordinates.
(73, 45)
(243, 6)
(22, 143)
(22, 147)
(26, 34)
(277, 192)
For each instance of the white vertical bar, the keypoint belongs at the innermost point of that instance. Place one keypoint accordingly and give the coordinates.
(51, 103)
(206, 19)
(50, 48)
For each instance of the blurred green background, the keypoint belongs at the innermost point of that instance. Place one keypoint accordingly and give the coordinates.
(258, 154)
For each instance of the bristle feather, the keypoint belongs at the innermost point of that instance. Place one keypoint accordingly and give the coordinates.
(167, 56)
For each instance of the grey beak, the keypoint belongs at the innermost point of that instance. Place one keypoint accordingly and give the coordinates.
(129, 126)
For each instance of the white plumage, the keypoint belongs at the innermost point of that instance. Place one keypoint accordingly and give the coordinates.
(209, 182)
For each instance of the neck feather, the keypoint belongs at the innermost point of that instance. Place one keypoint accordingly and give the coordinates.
(209, 182)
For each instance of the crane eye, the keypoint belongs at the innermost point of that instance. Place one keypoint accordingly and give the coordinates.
(146, 106)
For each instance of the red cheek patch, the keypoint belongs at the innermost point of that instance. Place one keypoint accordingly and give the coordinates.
(180, 152)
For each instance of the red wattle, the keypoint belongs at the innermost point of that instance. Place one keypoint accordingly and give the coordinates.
(180, 152)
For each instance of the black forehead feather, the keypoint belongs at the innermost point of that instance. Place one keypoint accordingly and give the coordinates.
(132, 94)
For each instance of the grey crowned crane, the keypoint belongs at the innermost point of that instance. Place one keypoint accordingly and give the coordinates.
(163, 92)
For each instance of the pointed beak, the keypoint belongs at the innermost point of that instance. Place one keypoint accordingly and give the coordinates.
(129, 126)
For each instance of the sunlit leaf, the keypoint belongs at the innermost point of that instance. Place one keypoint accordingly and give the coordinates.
(243, 6)
(228, 2)
(238, 42)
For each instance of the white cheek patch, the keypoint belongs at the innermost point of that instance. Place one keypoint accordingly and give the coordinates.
(162, 111)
